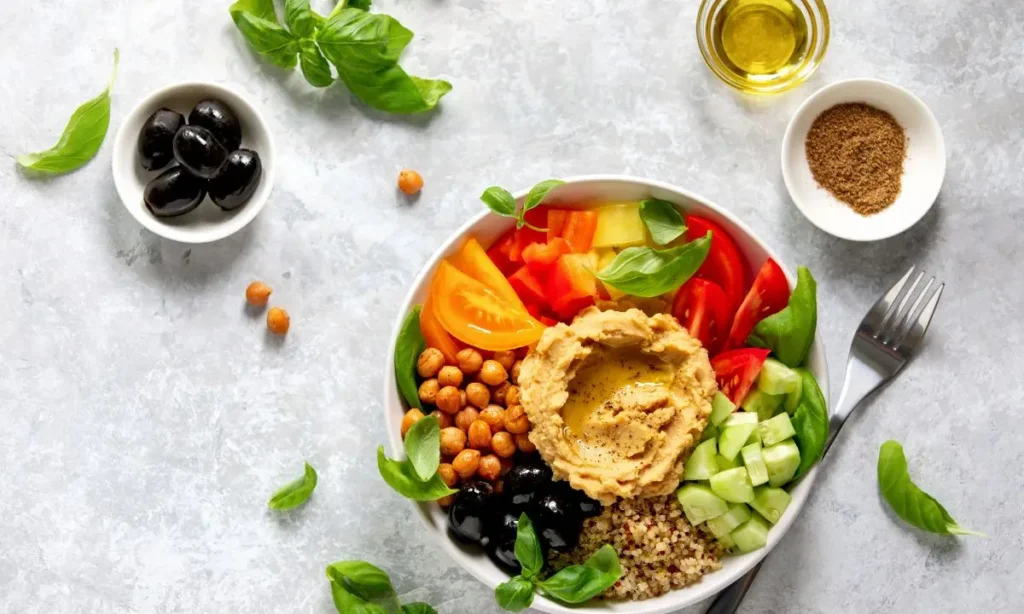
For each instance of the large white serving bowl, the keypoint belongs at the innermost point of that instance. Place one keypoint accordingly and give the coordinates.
(486, 227)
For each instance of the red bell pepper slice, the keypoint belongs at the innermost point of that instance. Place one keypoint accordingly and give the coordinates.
(556, 222)
(541, 257)
(579, 230)
(529, 287)
(502, 253)
(571, 287)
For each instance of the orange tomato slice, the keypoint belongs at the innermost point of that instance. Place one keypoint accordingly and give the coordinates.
(474, 261)
(477, 315)
(435, 335)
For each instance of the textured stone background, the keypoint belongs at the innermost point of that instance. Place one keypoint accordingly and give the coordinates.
(146, 417)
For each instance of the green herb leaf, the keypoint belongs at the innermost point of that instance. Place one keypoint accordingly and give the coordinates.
(790, 332)
(300, 18)
(367, 582)
(363, 5)
(515, 595)
(527, 548)
(264, 9)
(606, 561)
(408, 348)
(296, 493)
(423, 447)
(535, 198)
(315, 67)
(579, 583)
(647, 272)
(265, 35)
(810, 421)
(500, 201)
(82, 137)
(364, 48)
(347, 603)
(910, 503)
(418, 607)
(663, 220)
(402, 478)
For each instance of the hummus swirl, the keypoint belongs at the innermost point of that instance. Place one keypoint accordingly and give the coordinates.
(617, 401)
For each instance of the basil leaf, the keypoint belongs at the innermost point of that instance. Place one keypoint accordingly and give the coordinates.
(315, 67)
(790, 332)
(423, 447)
(663, 220)
(910, 503)
(579, 583)
(535, 197)
(418, 607)
(264, 9)
(810, 421)
(363, 5)
(347, 603)
(364, 48)
(365, 581)
(647, 272)
(408, 348)
(265, 35)
(515, 595)
(300, 18)
(82, 137)
(499, 200)
(527, 548)
(606, 561)
(402, 478)
(295, 493)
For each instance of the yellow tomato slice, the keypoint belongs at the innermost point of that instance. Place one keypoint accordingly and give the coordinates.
(474, 261)
(477, 315)
(435, 335)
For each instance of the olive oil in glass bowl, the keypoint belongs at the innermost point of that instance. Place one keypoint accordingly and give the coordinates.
(763, 46)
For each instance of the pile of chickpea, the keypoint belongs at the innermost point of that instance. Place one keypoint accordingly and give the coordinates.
(476, 402)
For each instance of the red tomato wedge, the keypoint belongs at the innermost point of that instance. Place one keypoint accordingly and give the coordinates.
(473, 261)
(435, 334)
(477, 315)
(768, 295)
(703, 309)
(724, 265)
(736, 371)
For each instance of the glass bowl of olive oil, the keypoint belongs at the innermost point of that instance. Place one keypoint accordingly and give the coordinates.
(763, 46)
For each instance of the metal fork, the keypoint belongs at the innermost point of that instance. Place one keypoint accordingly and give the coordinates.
(887, 338)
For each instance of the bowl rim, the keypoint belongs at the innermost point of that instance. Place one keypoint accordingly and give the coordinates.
(787, 163)
(124, 146)
(689, 595)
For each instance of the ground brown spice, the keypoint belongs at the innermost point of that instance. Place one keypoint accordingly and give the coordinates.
(856, 152)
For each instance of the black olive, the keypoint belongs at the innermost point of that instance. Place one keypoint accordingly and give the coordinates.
(156, 139)
(198, 151)
(237, 180)
(174, 192)
(558, 524)
(469, 510)
(583, 504)
(524, 481)
(500, 539)
(219, 119)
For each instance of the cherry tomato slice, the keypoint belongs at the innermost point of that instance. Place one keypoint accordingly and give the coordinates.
(768, 295)
(477, 315)
(435, 335)
(703, 309)
(736, 371)
(724, 264)
(473, 261)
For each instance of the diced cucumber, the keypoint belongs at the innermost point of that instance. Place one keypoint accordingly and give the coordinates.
(754, 463)
(738, 418)
(721, 408)
(735, 435)
(755, 437)
(723, 525)
(793, 399)
(733, 485)
(782, 459)
(776, 378)
(726, 463)
(726, 541)
(762, 403)
(702, 464)
(770, 502)
(751, 535)
(619, 225)
(700, 503)
(776, 429)
(710, 432)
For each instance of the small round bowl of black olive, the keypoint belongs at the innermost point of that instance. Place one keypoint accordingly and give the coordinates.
(194, 162)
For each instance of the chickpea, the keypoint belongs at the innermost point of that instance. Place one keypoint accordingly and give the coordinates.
(466, 463)
(257, 294)
(443, 419)
(494, 416)
(489, 468)
(503, 444)
(466, 417)
(500, 392)
(410, 418)
(512, 396)
(448, 475)
(409, 181)
(463, 398)
(479, 435)
(446, 500)
(516, 421)
(453, 441)
(505, 358)
(448, 400)
(449, 376)
(517, 368)
(478, 394)
(430, 362)
(469, 360)
(524, 444)
(278, 321)
(428, 390)
(492, 373)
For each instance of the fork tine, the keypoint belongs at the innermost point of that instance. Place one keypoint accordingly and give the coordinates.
(876, 316)
(919, 325)
(899, 306)
(905, 317)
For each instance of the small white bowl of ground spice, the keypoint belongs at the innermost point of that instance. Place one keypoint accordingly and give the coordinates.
(863, 159)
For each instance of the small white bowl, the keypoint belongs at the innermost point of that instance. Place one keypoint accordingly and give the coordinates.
(923, 170)
(207, 223)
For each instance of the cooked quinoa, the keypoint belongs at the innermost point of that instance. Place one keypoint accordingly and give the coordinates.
(658, 548)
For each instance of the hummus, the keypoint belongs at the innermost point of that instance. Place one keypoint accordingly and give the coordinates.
(617, 399)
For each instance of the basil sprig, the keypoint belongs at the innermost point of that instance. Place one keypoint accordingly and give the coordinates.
(910, 503)
(810, 421)
(790, 332)
(663, 221)
(573, 584)
(500, 201)
(417, 477)
(647, 272)
(358, 587)
(295, 493)
(408, 348)
(82, 137)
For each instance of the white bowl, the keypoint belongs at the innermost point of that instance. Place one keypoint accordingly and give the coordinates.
(923, 169)
(208, 222)
(487, 227)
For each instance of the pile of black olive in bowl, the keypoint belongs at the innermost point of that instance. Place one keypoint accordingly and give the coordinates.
(207, 158)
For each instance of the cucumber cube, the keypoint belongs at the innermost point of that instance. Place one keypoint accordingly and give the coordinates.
(739, 418)
(762, 403)
(710, 432)
(726, 523)
(702, 464)
(776, 429)
(733, 485)
(776, 378)
(751, 535)
(699, 503)
(782, 460)
(726, 541)
(754, 463)
(770, 502)
(755, 437)
(734, 434)
(793, 399)
(721, 408)
(727, 463)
